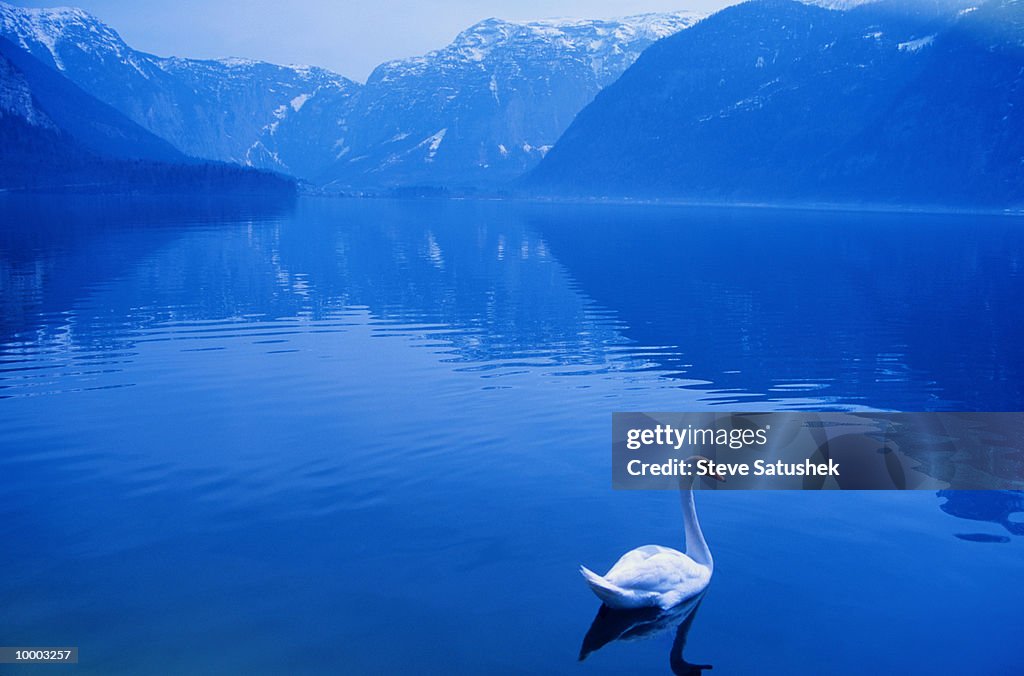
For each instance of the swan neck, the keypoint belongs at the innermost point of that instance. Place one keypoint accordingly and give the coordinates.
(696, 546)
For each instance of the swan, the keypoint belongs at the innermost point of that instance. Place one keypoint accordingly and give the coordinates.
(656, 576)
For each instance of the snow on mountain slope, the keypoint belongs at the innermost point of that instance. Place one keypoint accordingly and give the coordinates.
(50, 34)
(95, 126)
(479, 111)
(776, 100)
(839, 5)
(16, 98)
(256, 109)
(604, 45)
(502, 92)
(224, 109)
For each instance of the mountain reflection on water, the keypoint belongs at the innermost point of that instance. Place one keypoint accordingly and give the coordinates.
(1004, 508)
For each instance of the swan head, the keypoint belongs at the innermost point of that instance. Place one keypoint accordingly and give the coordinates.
(693, 459)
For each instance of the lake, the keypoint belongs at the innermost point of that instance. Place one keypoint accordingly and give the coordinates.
(372, 436)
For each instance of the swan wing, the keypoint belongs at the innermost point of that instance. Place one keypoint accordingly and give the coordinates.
(659, 570)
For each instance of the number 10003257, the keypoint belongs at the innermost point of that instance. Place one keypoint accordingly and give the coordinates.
(38, 655)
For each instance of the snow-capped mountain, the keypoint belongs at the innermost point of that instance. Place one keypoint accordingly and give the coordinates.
(249, 112)
(227, 109)
(489, 105)
(53, 34)
(773, 99)
(56, 136)
(479, 111)
(36, 94)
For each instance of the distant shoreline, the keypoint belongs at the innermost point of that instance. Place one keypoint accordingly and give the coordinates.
(439, 195)
(849, 207)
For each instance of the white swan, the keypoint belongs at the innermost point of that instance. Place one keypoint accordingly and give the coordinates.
(653, 575)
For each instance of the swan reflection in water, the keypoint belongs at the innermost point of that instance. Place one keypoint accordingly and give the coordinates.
(612, 624)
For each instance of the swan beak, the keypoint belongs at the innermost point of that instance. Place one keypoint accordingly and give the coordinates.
(719, 477)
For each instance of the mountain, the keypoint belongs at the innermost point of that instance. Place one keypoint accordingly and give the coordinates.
(478, 112)
(825, 100)
(489, 105)
(258, 114)
(26, 131)
(94, 126)
(779, 100)
(16, 100)
(230, 110)
(56, 136)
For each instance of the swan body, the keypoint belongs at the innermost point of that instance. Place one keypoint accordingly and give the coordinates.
(647, 576)
(656, 576)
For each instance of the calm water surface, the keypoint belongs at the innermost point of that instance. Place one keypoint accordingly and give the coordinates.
(372, 436)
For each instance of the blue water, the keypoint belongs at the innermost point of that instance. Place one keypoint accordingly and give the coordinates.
(363, 436)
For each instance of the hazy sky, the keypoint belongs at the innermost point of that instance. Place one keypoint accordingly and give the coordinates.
(348, 37)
